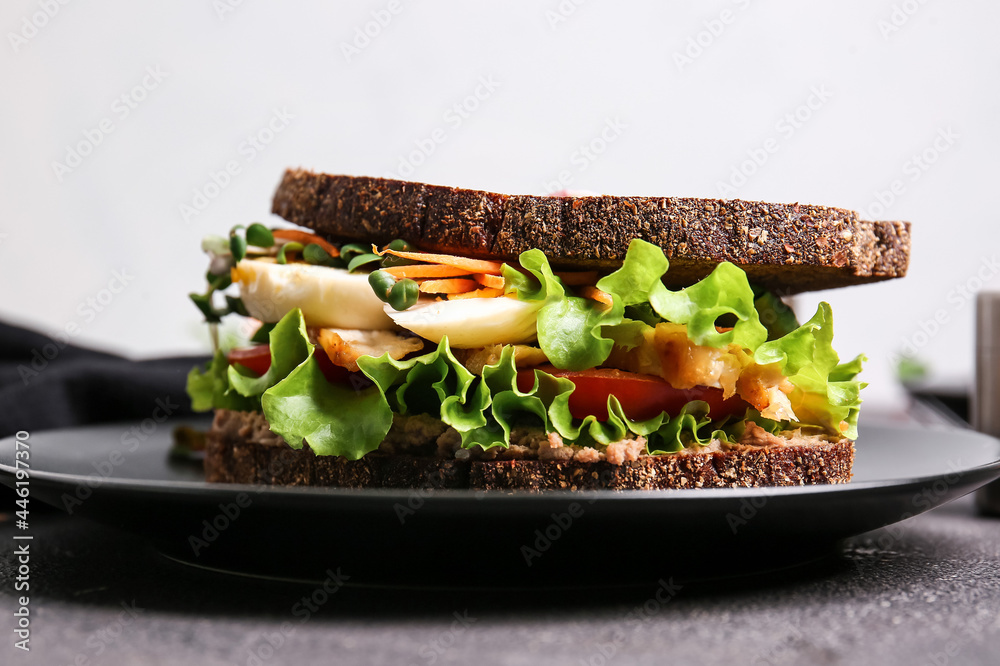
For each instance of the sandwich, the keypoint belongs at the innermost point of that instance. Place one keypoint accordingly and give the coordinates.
(412, 335)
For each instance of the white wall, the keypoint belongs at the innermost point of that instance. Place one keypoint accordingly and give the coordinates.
(684, 127)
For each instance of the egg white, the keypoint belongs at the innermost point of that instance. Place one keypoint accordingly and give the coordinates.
(328, 297)
(471, 322)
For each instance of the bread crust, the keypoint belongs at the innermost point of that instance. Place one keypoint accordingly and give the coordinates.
(787, 248)
(238, 450)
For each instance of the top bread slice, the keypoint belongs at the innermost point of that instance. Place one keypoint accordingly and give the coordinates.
(786, 248)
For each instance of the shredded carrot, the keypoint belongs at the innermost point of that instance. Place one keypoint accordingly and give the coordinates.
(448, 286)
(470, 265)
(305, 238)
(596, 294)
(425, 271)
(491, 281)
(485, 292)
(578, 278)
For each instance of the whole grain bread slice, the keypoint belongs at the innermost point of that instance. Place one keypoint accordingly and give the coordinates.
(786, 465)
(238, 450)
(787, 248)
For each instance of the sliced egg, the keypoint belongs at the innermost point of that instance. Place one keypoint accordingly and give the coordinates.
(471, 322)
(328, 297)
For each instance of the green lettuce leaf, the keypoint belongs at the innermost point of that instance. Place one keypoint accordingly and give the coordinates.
(775, 315)
(209, 388)
(290, 346)
(848, 371)
(570, 331)
(510, 406)
(435, 384)
(640, 278)
(577, 333)
(545, 287)
(825, 392)
(336, 419)
(725, 291)
(690, 426)
(569, 327)
(664, 433)
(201, 387)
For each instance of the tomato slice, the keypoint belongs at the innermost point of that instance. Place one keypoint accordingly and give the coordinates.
(641, 396)
(258, 360)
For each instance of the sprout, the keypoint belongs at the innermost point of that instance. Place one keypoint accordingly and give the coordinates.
(259, 235)
(237, 246)
(288, 247)
(361, 260)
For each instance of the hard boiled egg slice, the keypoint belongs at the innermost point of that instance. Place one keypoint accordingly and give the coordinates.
(471, 322)
(328, 297)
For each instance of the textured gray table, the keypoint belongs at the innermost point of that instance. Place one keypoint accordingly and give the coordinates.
(926, 591)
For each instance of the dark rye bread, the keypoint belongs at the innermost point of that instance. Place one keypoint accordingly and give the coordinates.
(788, 465)
(239, 455)
(787, 248)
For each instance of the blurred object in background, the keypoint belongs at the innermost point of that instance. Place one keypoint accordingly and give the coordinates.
(986, 398)
(934, 399)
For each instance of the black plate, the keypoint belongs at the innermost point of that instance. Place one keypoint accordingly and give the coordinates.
(121, 475)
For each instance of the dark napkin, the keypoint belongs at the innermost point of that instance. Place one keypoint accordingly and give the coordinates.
(46, 383)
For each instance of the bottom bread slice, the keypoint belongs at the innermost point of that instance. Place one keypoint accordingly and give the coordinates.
(240, 449)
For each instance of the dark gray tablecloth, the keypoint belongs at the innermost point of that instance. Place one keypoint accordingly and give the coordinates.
(926, 591)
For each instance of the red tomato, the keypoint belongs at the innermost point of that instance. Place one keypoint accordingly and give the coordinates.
(641, 396)
(256, 358)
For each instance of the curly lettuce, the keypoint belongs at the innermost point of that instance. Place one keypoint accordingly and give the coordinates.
(569, 327)
(436, 384)
(725, 292)
(826, 392)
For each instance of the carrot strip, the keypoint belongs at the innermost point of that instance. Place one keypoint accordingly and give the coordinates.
(578, 278)
(491, 281)
(425, 271)
(485, 292)
(305, 238)
(449, 286)
(470, 265)
(596, 294)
